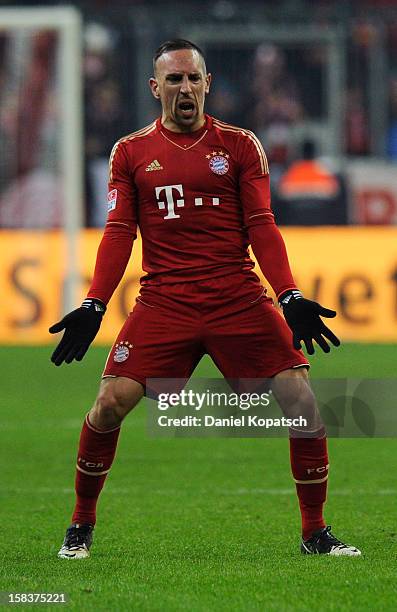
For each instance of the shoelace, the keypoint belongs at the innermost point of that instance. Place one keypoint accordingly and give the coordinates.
(331, 538)
(76, 536)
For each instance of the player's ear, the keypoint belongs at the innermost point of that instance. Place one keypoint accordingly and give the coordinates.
(154, 87)
(208, 78)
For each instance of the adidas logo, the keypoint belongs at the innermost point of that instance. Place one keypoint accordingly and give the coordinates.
(154, 166)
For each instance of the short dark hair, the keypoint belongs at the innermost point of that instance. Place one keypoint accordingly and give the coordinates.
(175, 45)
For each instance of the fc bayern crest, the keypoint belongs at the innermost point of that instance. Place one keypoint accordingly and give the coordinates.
(122, 351)
(218, 162)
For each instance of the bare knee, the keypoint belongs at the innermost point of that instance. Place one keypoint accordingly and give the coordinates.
(116, 398)
(296, 398)
(106, 412)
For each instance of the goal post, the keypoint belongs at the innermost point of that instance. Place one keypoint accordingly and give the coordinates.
(56, 165)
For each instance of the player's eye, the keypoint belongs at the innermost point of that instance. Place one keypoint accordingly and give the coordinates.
(174, 78)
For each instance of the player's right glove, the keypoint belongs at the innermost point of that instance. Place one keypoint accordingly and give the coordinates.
(303, 318)
(81, 326)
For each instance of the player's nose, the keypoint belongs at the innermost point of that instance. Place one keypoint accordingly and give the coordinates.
(186, 85)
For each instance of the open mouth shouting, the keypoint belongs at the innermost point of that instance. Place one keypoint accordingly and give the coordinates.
(186, 108)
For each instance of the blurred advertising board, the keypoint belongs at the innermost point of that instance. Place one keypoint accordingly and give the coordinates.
(350, 269)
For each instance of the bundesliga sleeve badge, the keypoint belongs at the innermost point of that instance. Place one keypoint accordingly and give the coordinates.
(112, 199)
(218, 162)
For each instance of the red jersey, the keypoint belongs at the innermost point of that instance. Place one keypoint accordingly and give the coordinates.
(195, 198)
(192, 196)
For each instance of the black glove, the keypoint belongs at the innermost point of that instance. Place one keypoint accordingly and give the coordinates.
(81, 326)
(303, 317)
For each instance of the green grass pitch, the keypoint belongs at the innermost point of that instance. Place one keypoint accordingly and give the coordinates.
(187, 524)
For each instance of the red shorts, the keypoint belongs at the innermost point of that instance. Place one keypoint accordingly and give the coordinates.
(230, 318)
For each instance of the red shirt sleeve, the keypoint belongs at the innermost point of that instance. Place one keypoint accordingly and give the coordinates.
(120, 231)
(269, 249)
(265, 239)
(254, 182)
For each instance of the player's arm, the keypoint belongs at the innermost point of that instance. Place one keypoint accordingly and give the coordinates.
(302, 315)
(82, 325)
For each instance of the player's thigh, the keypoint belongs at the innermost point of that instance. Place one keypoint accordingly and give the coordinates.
(253, 343)
(155, 342)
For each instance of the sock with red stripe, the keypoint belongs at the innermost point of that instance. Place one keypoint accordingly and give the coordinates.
(309, 464)
(96, 452)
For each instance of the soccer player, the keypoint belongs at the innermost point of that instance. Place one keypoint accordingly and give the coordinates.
(198, 189)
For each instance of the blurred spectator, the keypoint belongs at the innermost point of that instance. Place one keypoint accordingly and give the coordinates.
(309, 193)
(356, 126)
(104, 116)
(30, 186)
(275, 102)
(224, 101)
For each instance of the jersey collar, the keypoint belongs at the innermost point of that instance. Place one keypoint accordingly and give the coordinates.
(185, 136)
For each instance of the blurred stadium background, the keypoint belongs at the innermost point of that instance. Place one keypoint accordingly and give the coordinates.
(317, 81)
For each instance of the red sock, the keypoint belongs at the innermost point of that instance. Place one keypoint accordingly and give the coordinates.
(309, 464)
(95, 456)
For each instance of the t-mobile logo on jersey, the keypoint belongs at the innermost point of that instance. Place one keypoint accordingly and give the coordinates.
(170, 203)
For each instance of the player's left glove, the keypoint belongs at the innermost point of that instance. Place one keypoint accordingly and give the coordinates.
(81, 326)
(303, 318)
